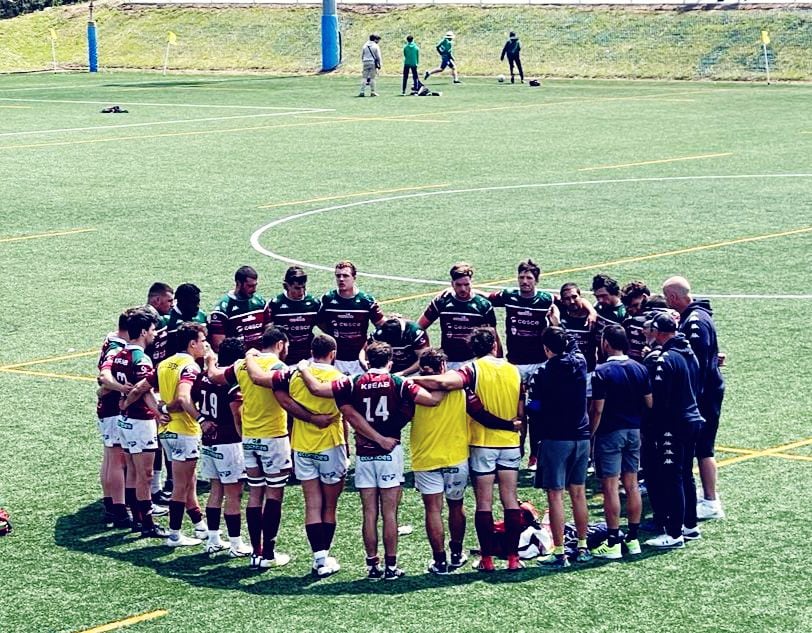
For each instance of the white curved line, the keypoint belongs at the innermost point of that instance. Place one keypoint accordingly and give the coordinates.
(255, 237)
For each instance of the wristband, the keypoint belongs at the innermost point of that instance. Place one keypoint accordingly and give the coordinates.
(163, 409)
(201, 419)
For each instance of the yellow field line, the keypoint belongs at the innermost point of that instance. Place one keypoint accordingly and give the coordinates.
(657, 162)
(801, 458)
(48, 374)
(728, 449)
(352, 195)
(118, 624)
(775, 451)
(50, 359)
(626, 260)
(39, 235)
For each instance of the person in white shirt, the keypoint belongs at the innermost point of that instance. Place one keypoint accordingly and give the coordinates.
(371, 60)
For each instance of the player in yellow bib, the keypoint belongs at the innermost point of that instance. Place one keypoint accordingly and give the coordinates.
(319, 448)
(494, 443)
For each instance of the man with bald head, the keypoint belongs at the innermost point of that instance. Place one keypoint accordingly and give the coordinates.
(696, 323)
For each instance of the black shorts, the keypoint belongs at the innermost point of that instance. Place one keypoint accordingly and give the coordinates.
(711, 411)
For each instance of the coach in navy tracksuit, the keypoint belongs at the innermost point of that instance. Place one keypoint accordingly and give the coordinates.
(696, 323)
(676, 424)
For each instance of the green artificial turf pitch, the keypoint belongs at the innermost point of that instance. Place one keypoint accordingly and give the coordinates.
(512, 172)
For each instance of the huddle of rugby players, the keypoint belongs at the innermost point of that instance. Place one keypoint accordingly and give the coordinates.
(260, 389)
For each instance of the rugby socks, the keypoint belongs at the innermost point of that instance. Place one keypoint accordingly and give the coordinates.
(271, 518)
(253, 518)
(129, 499)
(483, 522)
(108, 505)
(233, 526)
(391, 561)
(582, 543)
(633, 530)
(119, 512)
(213, 519)
(176, 509)
(558, 552)
(455, 547)
(513, 529)
(145, 506)
(315, 535)
(196, 516)
(329, 533)
(439, 557)
(155, 482)
(373, 561)
(614, 537)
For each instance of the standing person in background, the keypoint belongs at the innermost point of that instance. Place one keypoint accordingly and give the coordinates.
(512, 50)
(445, 50)
(411, 58)
(371, 60)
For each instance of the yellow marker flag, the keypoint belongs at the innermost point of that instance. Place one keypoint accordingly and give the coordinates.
(765, 37)
(171, 38)
(53, 35)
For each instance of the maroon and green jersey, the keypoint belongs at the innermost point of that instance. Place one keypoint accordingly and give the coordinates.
(214, 403)
(385, 401)
(107, 403)
(458, 319)
(165, 343)
(241, 318)
(131, 365)
(347, 321)
(579, 328)
(406, 347)
(298, 318)
(525, 321)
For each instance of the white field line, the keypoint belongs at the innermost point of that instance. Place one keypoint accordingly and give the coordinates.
(153, 123)
(165, 105)
(257, 235)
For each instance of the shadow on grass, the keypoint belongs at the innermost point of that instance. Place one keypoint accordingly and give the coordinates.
(80, 532)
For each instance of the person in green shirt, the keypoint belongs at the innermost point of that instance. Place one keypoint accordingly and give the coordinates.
(411, 58)
(445, 49)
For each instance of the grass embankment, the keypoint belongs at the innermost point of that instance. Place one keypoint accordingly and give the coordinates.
(594, 42)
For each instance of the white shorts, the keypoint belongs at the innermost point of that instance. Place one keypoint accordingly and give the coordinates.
(271, 454)
(330, 466)
(223, 462)
(589, 375)
(137, 436)
(486, 461)
(457, 365)
(180, 448)
(349, 367)
(379, 471)
(528, 371)
(109, 431)
(451, 480)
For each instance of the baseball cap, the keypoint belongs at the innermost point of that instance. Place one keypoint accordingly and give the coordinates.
(450, 35)
(664, 322)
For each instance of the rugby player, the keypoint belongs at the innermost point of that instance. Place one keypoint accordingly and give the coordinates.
(575, 319)
(186, 310)
(160, 296)
(345, 315)
(295, 310)
(139, 411)
(460, 311)
(621, 394)
(222, 460)
(634, 296)
(113, 461)
(239, 313)
(377, 405)
(266, 447)
(608, 305)
(319, 455)
(696, 323)
(494, 452)
(405, 338)
(180, 434)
